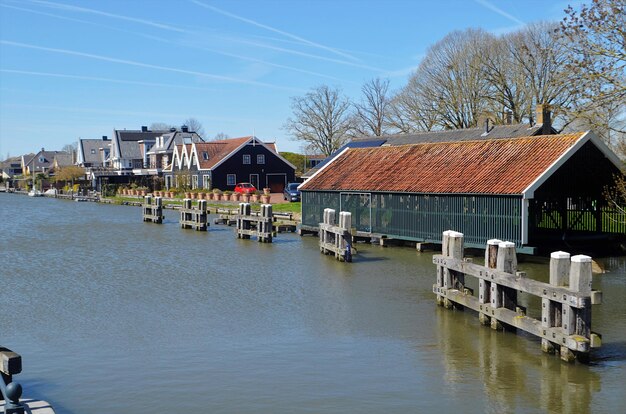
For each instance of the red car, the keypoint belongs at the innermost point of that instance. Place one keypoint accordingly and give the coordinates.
(245, 188)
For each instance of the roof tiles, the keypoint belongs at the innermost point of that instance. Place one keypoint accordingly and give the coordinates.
(501, 166)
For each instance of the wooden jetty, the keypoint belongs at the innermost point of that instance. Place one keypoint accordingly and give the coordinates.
(336, 239)
(194, 218)
(152, 209)
(255, 225)
(565, 324)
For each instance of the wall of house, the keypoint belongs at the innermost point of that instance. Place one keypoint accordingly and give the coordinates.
(422, 217)
(274, 173)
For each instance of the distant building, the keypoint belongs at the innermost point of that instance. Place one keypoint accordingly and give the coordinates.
(538, 192)
(222, 164)
(92, 153)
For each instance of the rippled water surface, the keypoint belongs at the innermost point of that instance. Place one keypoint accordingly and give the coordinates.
(113, 315)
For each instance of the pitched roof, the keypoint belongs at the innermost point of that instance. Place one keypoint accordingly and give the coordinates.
(360, 143)
(171, 139)
(466, 134)
(126, 143)
(217, 150)
(63, 159)
(499, 166)
(85, 147)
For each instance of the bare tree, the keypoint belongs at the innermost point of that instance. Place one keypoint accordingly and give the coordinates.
(537, 53)
(194, 125)
(71, 149)
(220, 136)
(410, 111)
(508, 90)
(321, 119)
(450, 79)
(373, 110)
(160, 126)
(595, 40)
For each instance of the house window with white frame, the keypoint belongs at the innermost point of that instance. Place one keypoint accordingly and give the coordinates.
(260, 159)
(194, 182)
(231, 179)
(206, 182)
(246, 159)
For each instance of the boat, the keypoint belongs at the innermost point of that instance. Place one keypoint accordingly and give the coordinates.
(35, 193)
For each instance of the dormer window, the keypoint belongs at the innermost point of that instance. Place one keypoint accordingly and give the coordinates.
(205, 155)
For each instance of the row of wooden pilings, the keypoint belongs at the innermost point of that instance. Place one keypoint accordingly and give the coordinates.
(248, 224)
(565, 323)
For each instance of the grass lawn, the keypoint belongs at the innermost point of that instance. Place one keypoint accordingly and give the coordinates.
(294, 208)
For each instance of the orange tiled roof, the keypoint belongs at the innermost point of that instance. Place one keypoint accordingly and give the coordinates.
(503, 166)
(217, 150)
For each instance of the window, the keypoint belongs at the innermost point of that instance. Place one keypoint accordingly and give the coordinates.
(260, 159)
(231, 179)
(205, 155)
(93, 151)
(206, 182)
(246, 159)
(194, 182)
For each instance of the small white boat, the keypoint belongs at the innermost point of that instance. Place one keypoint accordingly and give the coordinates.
(35, 193)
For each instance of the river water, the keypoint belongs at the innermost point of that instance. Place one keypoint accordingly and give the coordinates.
(113, 315)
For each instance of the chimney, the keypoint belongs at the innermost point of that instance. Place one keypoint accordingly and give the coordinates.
(144, 128)
(104, 138)
(486, 126)
(184, 128)
(543, 115)
(508, 117)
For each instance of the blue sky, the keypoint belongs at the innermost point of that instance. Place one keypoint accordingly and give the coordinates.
(74, 69)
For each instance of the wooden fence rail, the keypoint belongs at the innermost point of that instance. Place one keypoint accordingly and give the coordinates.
(335, 239)
(565, 323)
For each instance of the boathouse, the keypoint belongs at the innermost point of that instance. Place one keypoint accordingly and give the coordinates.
(539, 192)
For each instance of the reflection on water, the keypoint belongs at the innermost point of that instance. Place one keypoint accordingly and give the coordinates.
(115, 315)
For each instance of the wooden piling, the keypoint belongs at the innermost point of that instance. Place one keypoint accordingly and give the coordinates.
(484, 287)
(194, 218)
(501, 296)
(336, 239)
(566, 310)
(551, 312)
(260, 226)
(152, 209)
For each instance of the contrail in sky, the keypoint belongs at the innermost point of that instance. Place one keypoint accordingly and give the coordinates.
(304, 54)
(106, 14)
(501, 12)
(99, 79)
(159, 39)
(143, 65)
(263, 26)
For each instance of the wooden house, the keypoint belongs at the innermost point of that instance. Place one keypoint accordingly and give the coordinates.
(222, 164)
(537, 192)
